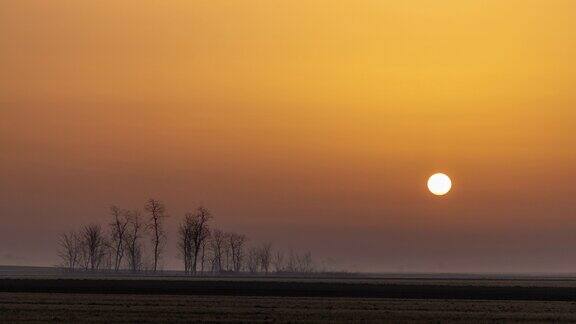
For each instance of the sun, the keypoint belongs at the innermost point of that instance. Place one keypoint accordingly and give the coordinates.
(439, 184)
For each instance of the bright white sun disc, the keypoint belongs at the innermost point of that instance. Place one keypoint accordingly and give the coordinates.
(439, 184)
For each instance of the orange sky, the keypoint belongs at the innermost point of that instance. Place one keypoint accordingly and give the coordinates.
(315, 120)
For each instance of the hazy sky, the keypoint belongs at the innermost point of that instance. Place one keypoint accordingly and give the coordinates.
(314, 124)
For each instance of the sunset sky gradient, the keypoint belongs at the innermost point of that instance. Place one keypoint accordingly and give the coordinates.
(313, 124)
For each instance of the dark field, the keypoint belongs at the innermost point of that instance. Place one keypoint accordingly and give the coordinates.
(168, 308)
(282, 287)
(251, 299)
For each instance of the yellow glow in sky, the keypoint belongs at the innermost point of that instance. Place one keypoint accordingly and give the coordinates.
(296, 112)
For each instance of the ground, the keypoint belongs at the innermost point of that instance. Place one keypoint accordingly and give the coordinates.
(46, 295)
(57, 307)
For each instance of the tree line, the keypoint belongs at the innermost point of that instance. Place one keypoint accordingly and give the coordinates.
(122, 245)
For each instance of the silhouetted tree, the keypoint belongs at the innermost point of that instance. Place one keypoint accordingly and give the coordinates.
(132, 241)
(306, 264)
(185, 241)
(108, 254)
(70, 249)
(252, 260)
(236, 243)
(226, 253)
(118, 227)
(95, 244)
(300, 263)
(84, 255)
(204, 249)
(292, 262)
(200, 233)
(265, 256)
(156, 211)
(91, 249)
(217, 241)
(278, 261)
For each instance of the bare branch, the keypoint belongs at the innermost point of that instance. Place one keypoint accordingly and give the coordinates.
(156, 211)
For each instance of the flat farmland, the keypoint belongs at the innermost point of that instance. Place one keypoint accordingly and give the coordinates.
(58, 307)
(249, 299)
(303, 287)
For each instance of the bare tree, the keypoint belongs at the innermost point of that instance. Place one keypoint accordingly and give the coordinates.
(204, 250)
(193, 234)
(305, 263)
(236, 243)
(70, 249)
(265, 256)
(226, 253)
(252, 260)
(118, 227)
(156, 211)
(94, 241)
(291, 263)
(84, 255)
(91, 249)
(185, 241)
(300, 263)
(132, 241)
(107, 255)
(278, 261)
(200, 233)
(217, 241)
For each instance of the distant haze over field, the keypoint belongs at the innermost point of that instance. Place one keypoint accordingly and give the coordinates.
(312, 124)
